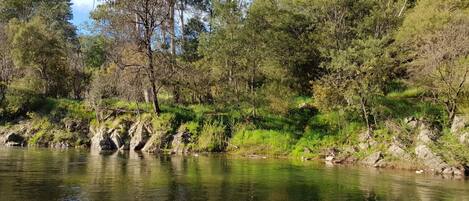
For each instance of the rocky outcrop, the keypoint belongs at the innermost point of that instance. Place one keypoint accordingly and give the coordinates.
(459, 123)
(139, 134)
(458, 128)
(427, 134)
(101, 140)
(374, 160)
(117, 139)
(181, 141)
(12, 139)
(435, 163)
(366, 140)
(156, 143)
(397, 150)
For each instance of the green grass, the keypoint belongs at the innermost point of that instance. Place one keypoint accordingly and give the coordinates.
(264, 142)
(212, 137)
(61, 108)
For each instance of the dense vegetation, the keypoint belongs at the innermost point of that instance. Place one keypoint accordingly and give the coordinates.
(277, 77)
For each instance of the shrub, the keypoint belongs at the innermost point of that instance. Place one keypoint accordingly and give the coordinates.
(164, 123)
(212, 138)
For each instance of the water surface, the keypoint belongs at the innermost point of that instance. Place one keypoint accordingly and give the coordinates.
(42, 174)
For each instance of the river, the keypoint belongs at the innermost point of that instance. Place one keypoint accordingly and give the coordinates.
(44, 174)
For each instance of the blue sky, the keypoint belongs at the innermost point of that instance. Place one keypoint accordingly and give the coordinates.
(81, 11)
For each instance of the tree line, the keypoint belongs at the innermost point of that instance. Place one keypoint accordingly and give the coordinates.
(240, 54)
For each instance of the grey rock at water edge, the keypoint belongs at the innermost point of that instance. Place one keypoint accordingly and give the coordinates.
(139, 136)
(12, 139)
(436, 163)
(101, 141)
(374, 160)
(397, 151)
(116, 138)
(155, 143)
(180, 142)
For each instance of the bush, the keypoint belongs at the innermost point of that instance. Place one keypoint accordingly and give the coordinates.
(19, 101)
(212, 138)
(164, 123)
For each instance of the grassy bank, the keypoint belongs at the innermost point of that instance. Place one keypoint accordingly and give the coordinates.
(302, 131)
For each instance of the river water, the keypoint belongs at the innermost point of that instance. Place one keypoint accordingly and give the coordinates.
(43, 174)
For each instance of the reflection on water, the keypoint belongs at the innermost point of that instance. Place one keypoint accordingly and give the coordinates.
(41, 174)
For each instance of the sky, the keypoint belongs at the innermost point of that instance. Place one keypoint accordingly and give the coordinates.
(81, 11)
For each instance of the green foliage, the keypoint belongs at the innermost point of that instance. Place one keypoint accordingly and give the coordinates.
(452, 150)
(94, 50)
(266, 142)
(18, 101)
(164, 123)
(42, 52)
(212, 137)
(428, 16)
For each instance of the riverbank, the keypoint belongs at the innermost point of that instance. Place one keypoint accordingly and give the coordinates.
(413, 143)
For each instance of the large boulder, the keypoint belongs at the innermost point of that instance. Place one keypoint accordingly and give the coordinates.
(139, 134)
(366, 140)
(118, 139)
(101, 140)
(430, 159)
(459, 123)
(180, 143)
(13, 139)
(397, 150)
(435, 163)
(156, 143)
(427, 134)
(374, 160)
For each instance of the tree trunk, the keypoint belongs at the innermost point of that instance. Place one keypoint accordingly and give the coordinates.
(155, 103)
(172, 26)
(181, 16)
(152, 77)
(365, 112)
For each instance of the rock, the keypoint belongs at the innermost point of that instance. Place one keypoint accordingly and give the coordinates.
(60, 145)
(156, 143)
(411, 122)
(13, 140)
(366, 140)
(397, 150)
(430, 159)
(427, 135)
(101, 141)
(180, 143)
(373, 159)
(117, 140)
(139, 136)
(456, 171)
(464, 138)
(74, 125)
(459, 123)
(330, 158)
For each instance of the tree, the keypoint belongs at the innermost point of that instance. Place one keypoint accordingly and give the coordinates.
(358, 77)
(41, 52)
(141, 24)
(444, 60)
(434, 37)
(7, 70)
